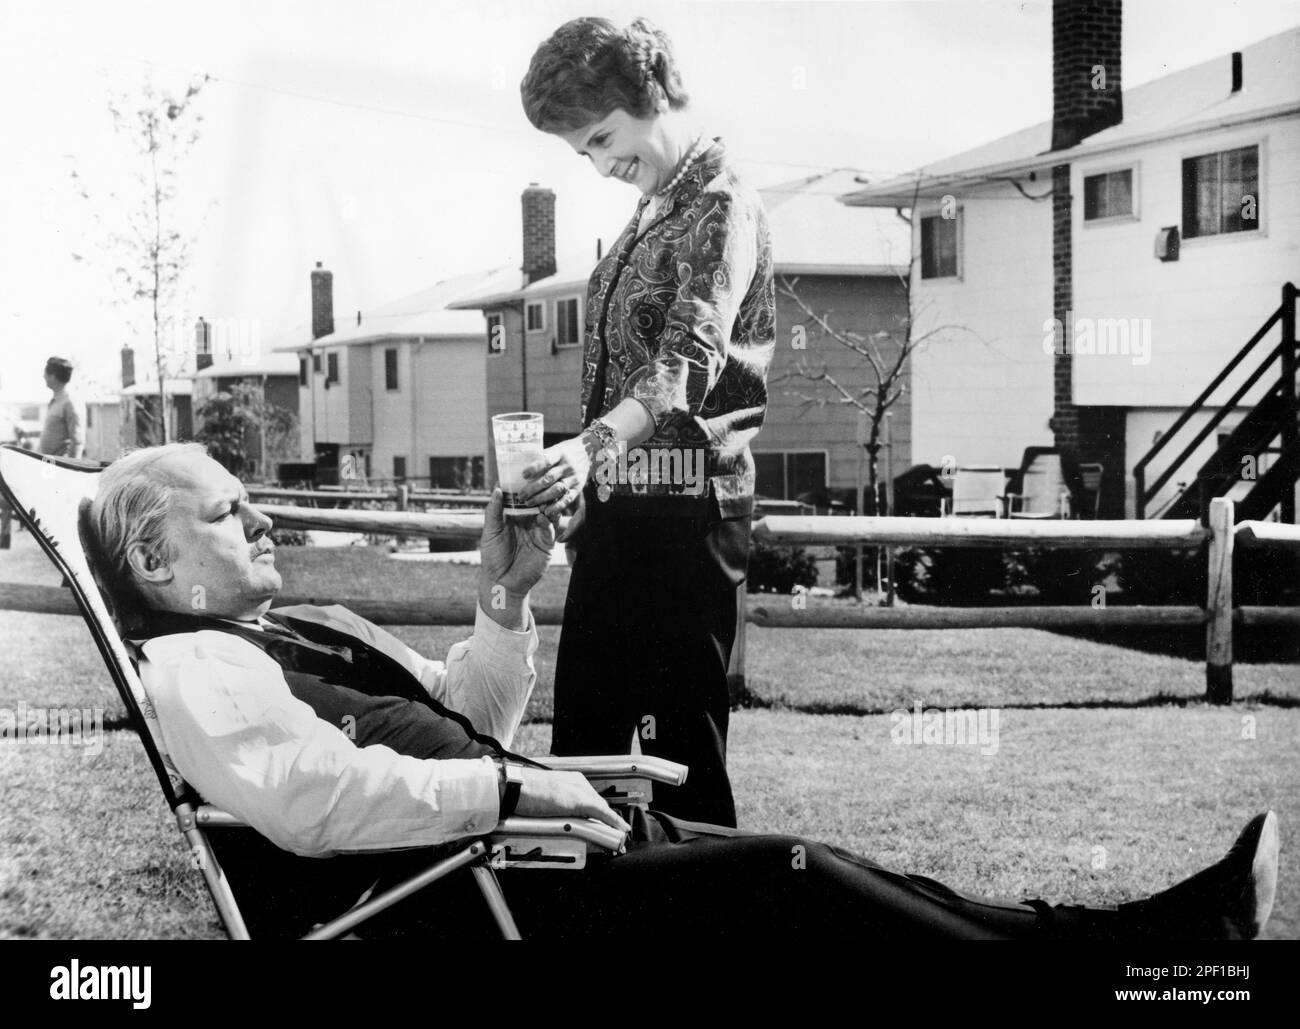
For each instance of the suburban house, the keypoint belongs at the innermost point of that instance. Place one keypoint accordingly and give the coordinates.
(1101, 269)
(103, 427)
(231, 354)
(398, 393)
(138, 421)
(850, 271)
(139, 412)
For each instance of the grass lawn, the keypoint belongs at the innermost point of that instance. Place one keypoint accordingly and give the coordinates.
(1102, 795)
(1076, 805)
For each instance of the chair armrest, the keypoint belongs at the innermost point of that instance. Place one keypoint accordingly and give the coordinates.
(589, 831)
(552, 844)
(586, 830)
(621, 766)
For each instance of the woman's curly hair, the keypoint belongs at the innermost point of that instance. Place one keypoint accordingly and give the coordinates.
(589, 67)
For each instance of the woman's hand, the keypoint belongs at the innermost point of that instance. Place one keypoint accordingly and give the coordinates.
(573, 530)
(557, 478)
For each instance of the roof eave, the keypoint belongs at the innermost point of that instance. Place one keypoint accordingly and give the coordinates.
(902, 192)
(482, 303)
(379, 337)
(864, 270)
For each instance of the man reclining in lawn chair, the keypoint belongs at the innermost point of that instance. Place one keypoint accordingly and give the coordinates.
(333, 739)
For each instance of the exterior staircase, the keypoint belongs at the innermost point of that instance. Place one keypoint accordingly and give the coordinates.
(1258, 463)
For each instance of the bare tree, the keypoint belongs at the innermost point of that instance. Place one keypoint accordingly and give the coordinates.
(141, 232)
(879, 378)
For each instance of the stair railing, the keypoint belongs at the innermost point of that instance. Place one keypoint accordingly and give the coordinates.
(1286, 349)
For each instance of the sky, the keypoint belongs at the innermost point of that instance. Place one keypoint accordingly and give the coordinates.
(387, 141)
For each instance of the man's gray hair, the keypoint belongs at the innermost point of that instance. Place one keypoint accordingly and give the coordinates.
(131, 507)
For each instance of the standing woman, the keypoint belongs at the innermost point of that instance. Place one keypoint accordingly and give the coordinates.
(679, 335)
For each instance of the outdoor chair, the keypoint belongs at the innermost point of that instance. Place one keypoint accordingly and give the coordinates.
(1090, 476)
(976, 492)
(51, 497)
(1043, 493)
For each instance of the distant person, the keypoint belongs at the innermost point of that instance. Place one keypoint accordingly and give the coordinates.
(64, 434)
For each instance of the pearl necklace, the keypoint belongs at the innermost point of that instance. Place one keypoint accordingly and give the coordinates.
(701, 144)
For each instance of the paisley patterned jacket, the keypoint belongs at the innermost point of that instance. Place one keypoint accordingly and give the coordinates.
(681, 317)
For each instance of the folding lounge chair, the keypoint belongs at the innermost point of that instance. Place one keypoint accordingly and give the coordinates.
(51, 495)
(1043, 492)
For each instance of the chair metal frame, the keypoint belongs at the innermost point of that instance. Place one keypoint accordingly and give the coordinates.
(551, 843)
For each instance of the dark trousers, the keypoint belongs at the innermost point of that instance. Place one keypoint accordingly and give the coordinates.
(649, 624)
(681, 881)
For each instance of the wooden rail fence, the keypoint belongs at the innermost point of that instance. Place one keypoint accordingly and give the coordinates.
(1218, 615)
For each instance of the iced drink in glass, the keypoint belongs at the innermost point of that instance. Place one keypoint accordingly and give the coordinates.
(518, 439)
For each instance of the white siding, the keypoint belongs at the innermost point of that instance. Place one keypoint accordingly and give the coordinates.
(1203, 307)
(332, 403)
(450, 400)
(392, 411)
(982, 391)
(439, 407)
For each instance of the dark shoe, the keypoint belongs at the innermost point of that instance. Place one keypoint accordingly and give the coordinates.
(1230, 900)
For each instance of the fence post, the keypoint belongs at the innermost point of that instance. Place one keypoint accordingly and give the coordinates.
(403, 503)
(1218, 604)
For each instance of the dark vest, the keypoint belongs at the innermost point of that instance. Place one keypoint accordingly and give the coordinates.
(370, 696)
(373, 699)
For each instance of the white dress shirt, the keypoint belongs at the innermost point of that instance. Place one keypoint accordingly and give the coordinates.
(246, 744)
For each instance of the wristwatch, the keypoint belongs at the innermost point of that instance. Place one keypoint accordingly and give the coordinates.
(512, 784)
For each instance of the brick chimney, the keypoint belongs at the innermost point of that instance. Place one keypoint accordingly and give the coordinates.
(128, 366)
(202, 345)
(322, 302)
(1086, 98)
(1086, 95)
(539, 232)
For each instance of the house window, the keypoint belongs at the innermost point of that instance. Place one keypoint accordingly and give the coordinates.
(315, 361)
(390, 369)
(1221, 192)
(535, 317)
(302, 371)
(1108, 195)
(787, 475)
(938, 247)
(331, 368)
(456, 473)
(566, 322)
(496, 334)
(399, 467)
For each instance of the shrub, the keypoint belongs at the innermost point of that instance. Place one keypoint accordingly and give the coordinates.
(1058, 576)
(959, 575)
(1150, 576)
(779, 568)
(290, 538)
(906, 562)
(1261, 576)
